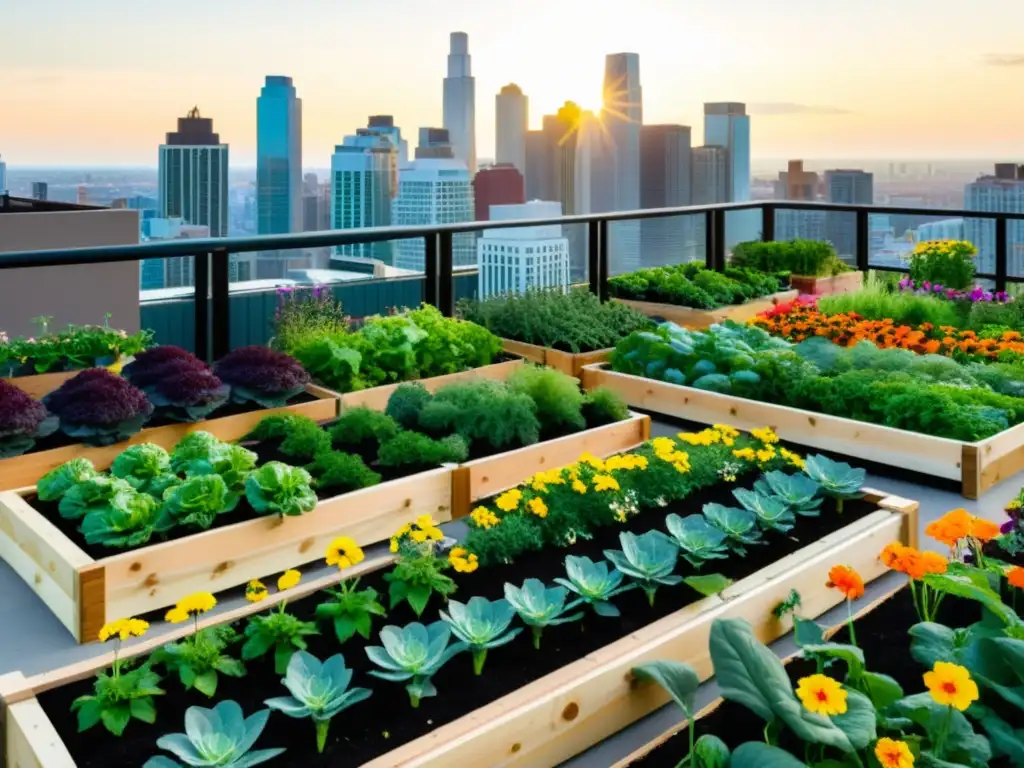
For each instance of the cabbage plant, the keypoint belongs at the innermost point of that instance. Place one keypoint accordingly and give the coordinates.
(319, 691)
(481, 625)
(799, 491)
(278, 489)
(54, 484)
(146, 467)
(649, 560)
(540, 606)
(196, 502)
(415, 653)
(837, 479)
(740, 525)
(773, 514)
(127, 519)
(697, 539)
(595, 583)
(221, 736)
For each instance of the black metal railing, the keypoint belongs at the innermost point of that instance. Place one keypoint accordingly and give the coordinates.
(212, 255)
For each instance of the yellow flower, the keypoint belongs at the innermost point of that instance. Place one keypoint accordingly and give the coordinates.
(893, 754)
(579, 486)
(176, 616)
(462, 560)
(255, 591)
(288, 580)
(509, 500)
(1015, 504)
(765, 455)
(484, 518)
(765, 434)
(620, 515)
(200, 602)
(746, 454)
(725, 430)
(605, 483)
(822, 695)
(425, 522)
(344, 553)
(951, 685)
(393, 546)
(418, 536)
(704, 437)
(538, 507)
(588, 458)
(792, 458)
(663, 444)
(123, 629)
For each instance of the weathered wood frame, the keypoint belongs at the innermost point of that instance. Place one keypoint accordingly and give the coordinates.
(844, 282)
(704, 318)
(377, 397)
(567, 711)
(977, 466)
(566, 362)
(25, 470)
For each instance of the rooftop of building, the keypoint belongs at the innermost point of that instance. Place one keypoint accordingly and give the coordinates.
(9, 204)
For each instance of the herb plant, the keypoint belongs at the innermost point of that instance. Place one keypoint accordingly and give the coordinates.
(406, 403)
(221, 736)
(416, 576)
(319, 691)
(806, 258)
(697, 539)
(540, 606)
(22, 421)
(298, 437)
(415, 653)
(483, 412)
(557, 396)
(99, 408)
(649, 560)
(278, 489)
(201, 657)
(306, 313)
(261, 376)
(341, 472)
(414, 449)
(362, 430)
(481, 624)
(351, 610)
(75, 347)
(692, 285)
(595, 583)
(277, 631)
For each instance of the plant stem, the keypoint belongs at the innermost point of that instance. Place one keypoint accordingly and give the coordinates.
(940, 741)
(536, 632)
(650, 595)
(414, 700)
(849, 613)
(321, 734)
(839, 505)
(917, 605)
(479, 657)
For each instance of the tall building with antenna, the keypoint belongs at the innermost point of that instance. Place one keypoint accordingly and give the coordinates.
(460, 101)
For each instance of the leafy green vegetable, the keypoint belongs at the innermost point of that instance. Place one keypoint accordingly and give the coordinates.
(698, 539)
(414, 653)
(838, 480)
(127, 519)
(221, 736)
(481, 624)
(277, 631)
(649, 560)
(798, 491)
(360, 427)
(483, 411)
(342, 472)
(146, 467)
(277, 489)
(414, 449)
(595, 583)
(740, 525)
(539, 606)
(773, 514)
(196, 502)
(54, 484)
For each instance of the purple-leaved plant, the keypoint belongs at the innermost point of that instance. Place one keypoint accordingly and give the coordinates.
(22, 421)
(153, 365)
(188, 394)
(99, 407)
(262, 376)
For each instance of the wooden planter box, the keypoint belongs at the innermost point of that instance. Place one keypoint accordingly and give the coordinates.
(22, 471)
(40, 384)
(564, 713)
(566, 362)
(377, 397)
(977, 466)
(84, 593)
(700, 319)
(845, 282)
(486, 477)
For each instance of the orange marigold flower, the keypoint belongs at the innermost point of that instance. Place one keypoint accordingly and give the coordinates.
(933, 562)
(1016, 577)
(983, 530)
(891, 554)
(951, 527)
(846, 580)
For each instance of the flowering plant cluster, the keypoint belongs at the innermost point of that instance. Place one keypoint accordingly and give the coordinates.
(78, 346)
(974, 295)
(947, 262)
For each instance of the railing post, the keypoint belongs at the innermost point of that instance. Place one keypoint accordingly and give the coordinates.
(594, 256)
(201, 272)
(715, 240)
(603, 260)
(1002, 254)
(220, 287)
(445, 277)
(863, 239)
(709, 239)
(768, 222)
(430, 269)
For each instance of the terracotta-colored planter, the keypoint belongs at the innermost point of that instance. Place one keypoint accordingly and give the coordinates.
(846, 282)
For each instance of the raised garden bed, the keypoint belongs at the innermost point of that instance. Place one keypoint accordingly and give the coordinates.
(39, 384)
(976, 466)
(845, 282)
(704, 318)
(25, 470)
(566, 362)
(527, 709)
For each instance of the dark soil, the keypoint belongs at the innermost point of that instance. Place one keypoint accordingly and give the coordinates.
(386, 720)
(883, 636)
(992, 549)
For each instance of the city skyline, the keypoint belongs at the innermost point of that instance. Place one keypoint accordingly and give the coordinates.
(830, 96)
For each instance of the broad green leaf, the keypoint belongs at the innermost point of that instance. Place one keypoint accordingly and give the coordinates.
(1001, 735)
(708, 584)
(858, 722)
(206, 683)
(418, 596)
(679, 680)
(931, 642)
(881, 689)
(963, 744)
(116, 717)
(88, 712)
(710, 752)
(851, 654)
(807, 632)
(143, 709)
(965, 586)
(755, 754)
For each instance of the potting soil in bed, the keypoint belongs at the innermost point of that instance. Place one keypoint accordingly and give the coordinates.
(385, 721)
(882, 634)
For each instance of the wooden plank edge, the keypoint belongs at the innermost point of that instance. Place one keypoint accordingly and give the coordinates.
(31, 740)
(462, 497)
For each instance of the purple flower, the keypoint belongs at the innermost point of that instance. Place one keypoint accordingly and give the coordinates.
(1006, 527)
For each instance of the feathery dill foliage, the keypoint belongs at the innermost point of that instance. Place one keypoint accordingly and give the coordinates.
(575, 321)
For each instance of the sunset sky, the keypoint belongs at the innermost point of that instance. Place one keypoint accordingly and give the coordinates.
(100, 82)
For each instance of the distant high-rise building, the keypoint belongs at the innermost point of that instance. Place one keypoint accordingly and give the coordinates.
(512, 112)
(665, 178)
(500, 184)
(538, 174)
(944, 229)
(435, 144)
(40, 190)
(310, 184)
(168, 273)
(460, 101)
(727, 125)
(434, 191)
(710, 175)
(514, 260)
(797, 184)
(193, 175)
(385, 125)
(997, 194)
(615, 179)
(363, 186)
(278, 168)
(3, 177)
(846, 186)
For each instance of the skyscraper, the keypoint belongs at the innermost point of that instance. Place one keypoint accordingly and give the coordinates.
(434, 191)
(436, 144)
(385, 125)
(193, 185)
(538, 175)
(727, 125)
(460, 101)
(665, 177)
(1001, 193)
(512, 122)
(710, 171)
(846, 186)
(500, 184)
(40, 190)
(278, 167)
(616, 165)
(363, 185)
